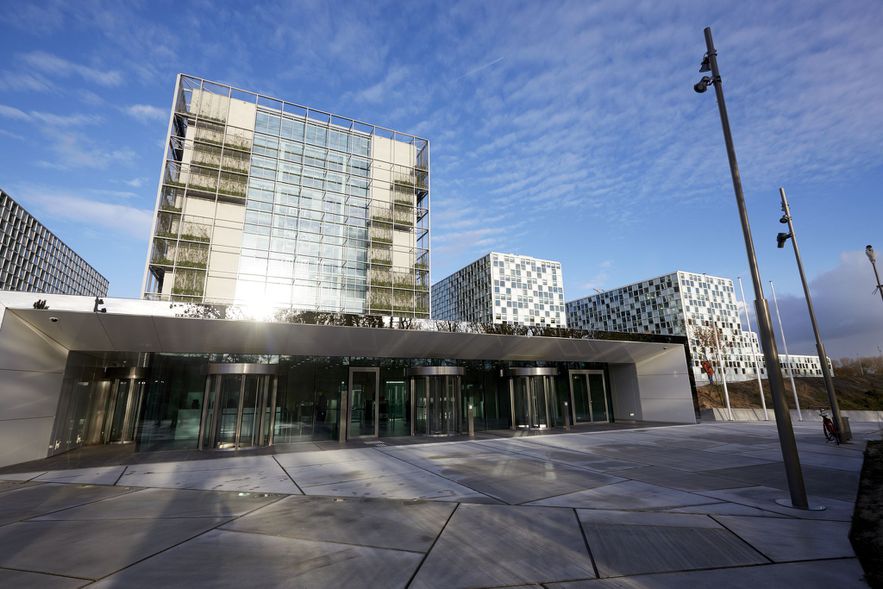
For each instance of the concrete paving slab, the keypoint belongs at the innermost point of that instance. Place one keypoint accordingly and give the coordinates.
(26, 580)
(645, 518)
(515, 478)
(92, 549)
(102, 475)
(13, 485)
(765, 498)
(341, 472)
(824, 482)
(381, 523)
(21, 476)
(631, 544)
(221, 559)
(310, 458)
(166, 503)
(792, 539)
(843, 574)
(680, 479)
(725, 508)
(41, 499)
(497, 545)
(569, 457)
(840, 461)
(628, 495)
(267, 477)
(412, 485)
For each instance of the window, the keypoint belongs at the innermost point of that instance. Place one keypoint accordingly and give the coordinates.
(267, 123)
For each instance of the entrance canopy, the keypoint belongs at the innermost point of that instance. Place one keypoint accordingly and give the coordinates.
(149, 326)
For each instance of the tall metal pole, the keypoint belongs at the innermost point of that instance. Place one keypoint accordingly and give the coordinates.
(787, 356)
(872, 256)
(823, 357)
(796, 486)
(766, 415)
(720, 362)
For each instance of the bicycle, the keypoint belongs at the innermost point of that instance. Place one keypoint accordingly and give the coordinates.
(831, 433)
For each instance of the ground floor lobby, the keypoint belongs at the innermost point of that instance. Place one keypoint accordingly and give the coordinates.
(670, 506)
(166, 377)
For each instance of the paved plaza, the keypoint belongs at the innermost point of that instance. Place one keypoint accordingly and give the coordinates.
(681, 506)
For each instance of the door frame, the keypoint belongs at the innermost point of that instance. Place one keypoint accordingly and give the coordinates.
(214, 375)
(585, 374)
(346, 434)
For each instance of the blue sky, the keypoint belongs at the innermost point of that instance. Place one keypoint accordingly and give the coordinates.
(560, 130)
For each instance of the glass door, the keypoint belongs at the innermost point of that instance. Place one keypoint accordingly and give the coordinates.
(123, 402)
(598, 402)
(532, 401)
(588, 396)
(442, 402)
(363, 405)
(228, 410)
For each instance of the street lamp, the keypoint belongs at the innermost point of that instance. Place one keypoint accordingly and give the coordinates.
(781, 238)
(796, 486)
(872, 257)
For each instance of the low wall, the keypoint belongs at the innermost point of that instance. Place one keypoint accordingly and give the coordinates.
(721, 414)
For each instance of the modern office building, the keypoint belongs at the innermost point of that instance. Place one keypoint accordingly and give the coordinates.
(33, 259)
(163, 375)
(267, 203)
(678, 304)
(287, 301)
(502, 289)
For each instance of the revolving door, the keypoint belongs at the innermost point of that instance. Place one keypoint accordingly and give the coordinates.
(239, 406)
(436, 400)
(532, 397)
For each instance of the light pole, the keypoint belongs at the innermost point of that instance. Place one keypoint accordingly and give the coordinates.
(872, 256)
(766, 415)
(781, 238)
(720, 362)
(785, 345)
(796, 486)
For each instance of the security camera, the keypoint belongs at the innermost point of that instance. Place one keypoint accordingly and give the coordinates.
(53, 319)
(702, 85)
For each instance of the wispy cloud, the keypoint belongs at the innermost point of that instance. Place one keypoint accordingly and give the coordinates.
(22, 81)
(147, 113)
(475, 70)
(61, 204)
(10, 112)
(74, 150)
(57, 66)
(46, 118)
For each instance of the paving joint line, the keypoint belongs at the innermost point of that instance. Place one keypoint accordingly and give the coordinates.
(746, 542)
(337, 542)
(288, 474)
(122, 472)
(434, 542)
(5, 568)
(229, 519)
(586, 542)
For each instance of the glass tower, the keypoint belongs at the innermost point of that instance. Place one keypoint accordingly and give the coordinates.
(263, 202)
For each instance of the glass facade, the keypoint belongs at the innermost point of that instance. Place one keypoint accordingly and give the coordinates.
(263, 202)
(32, 259)
(211, 401)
